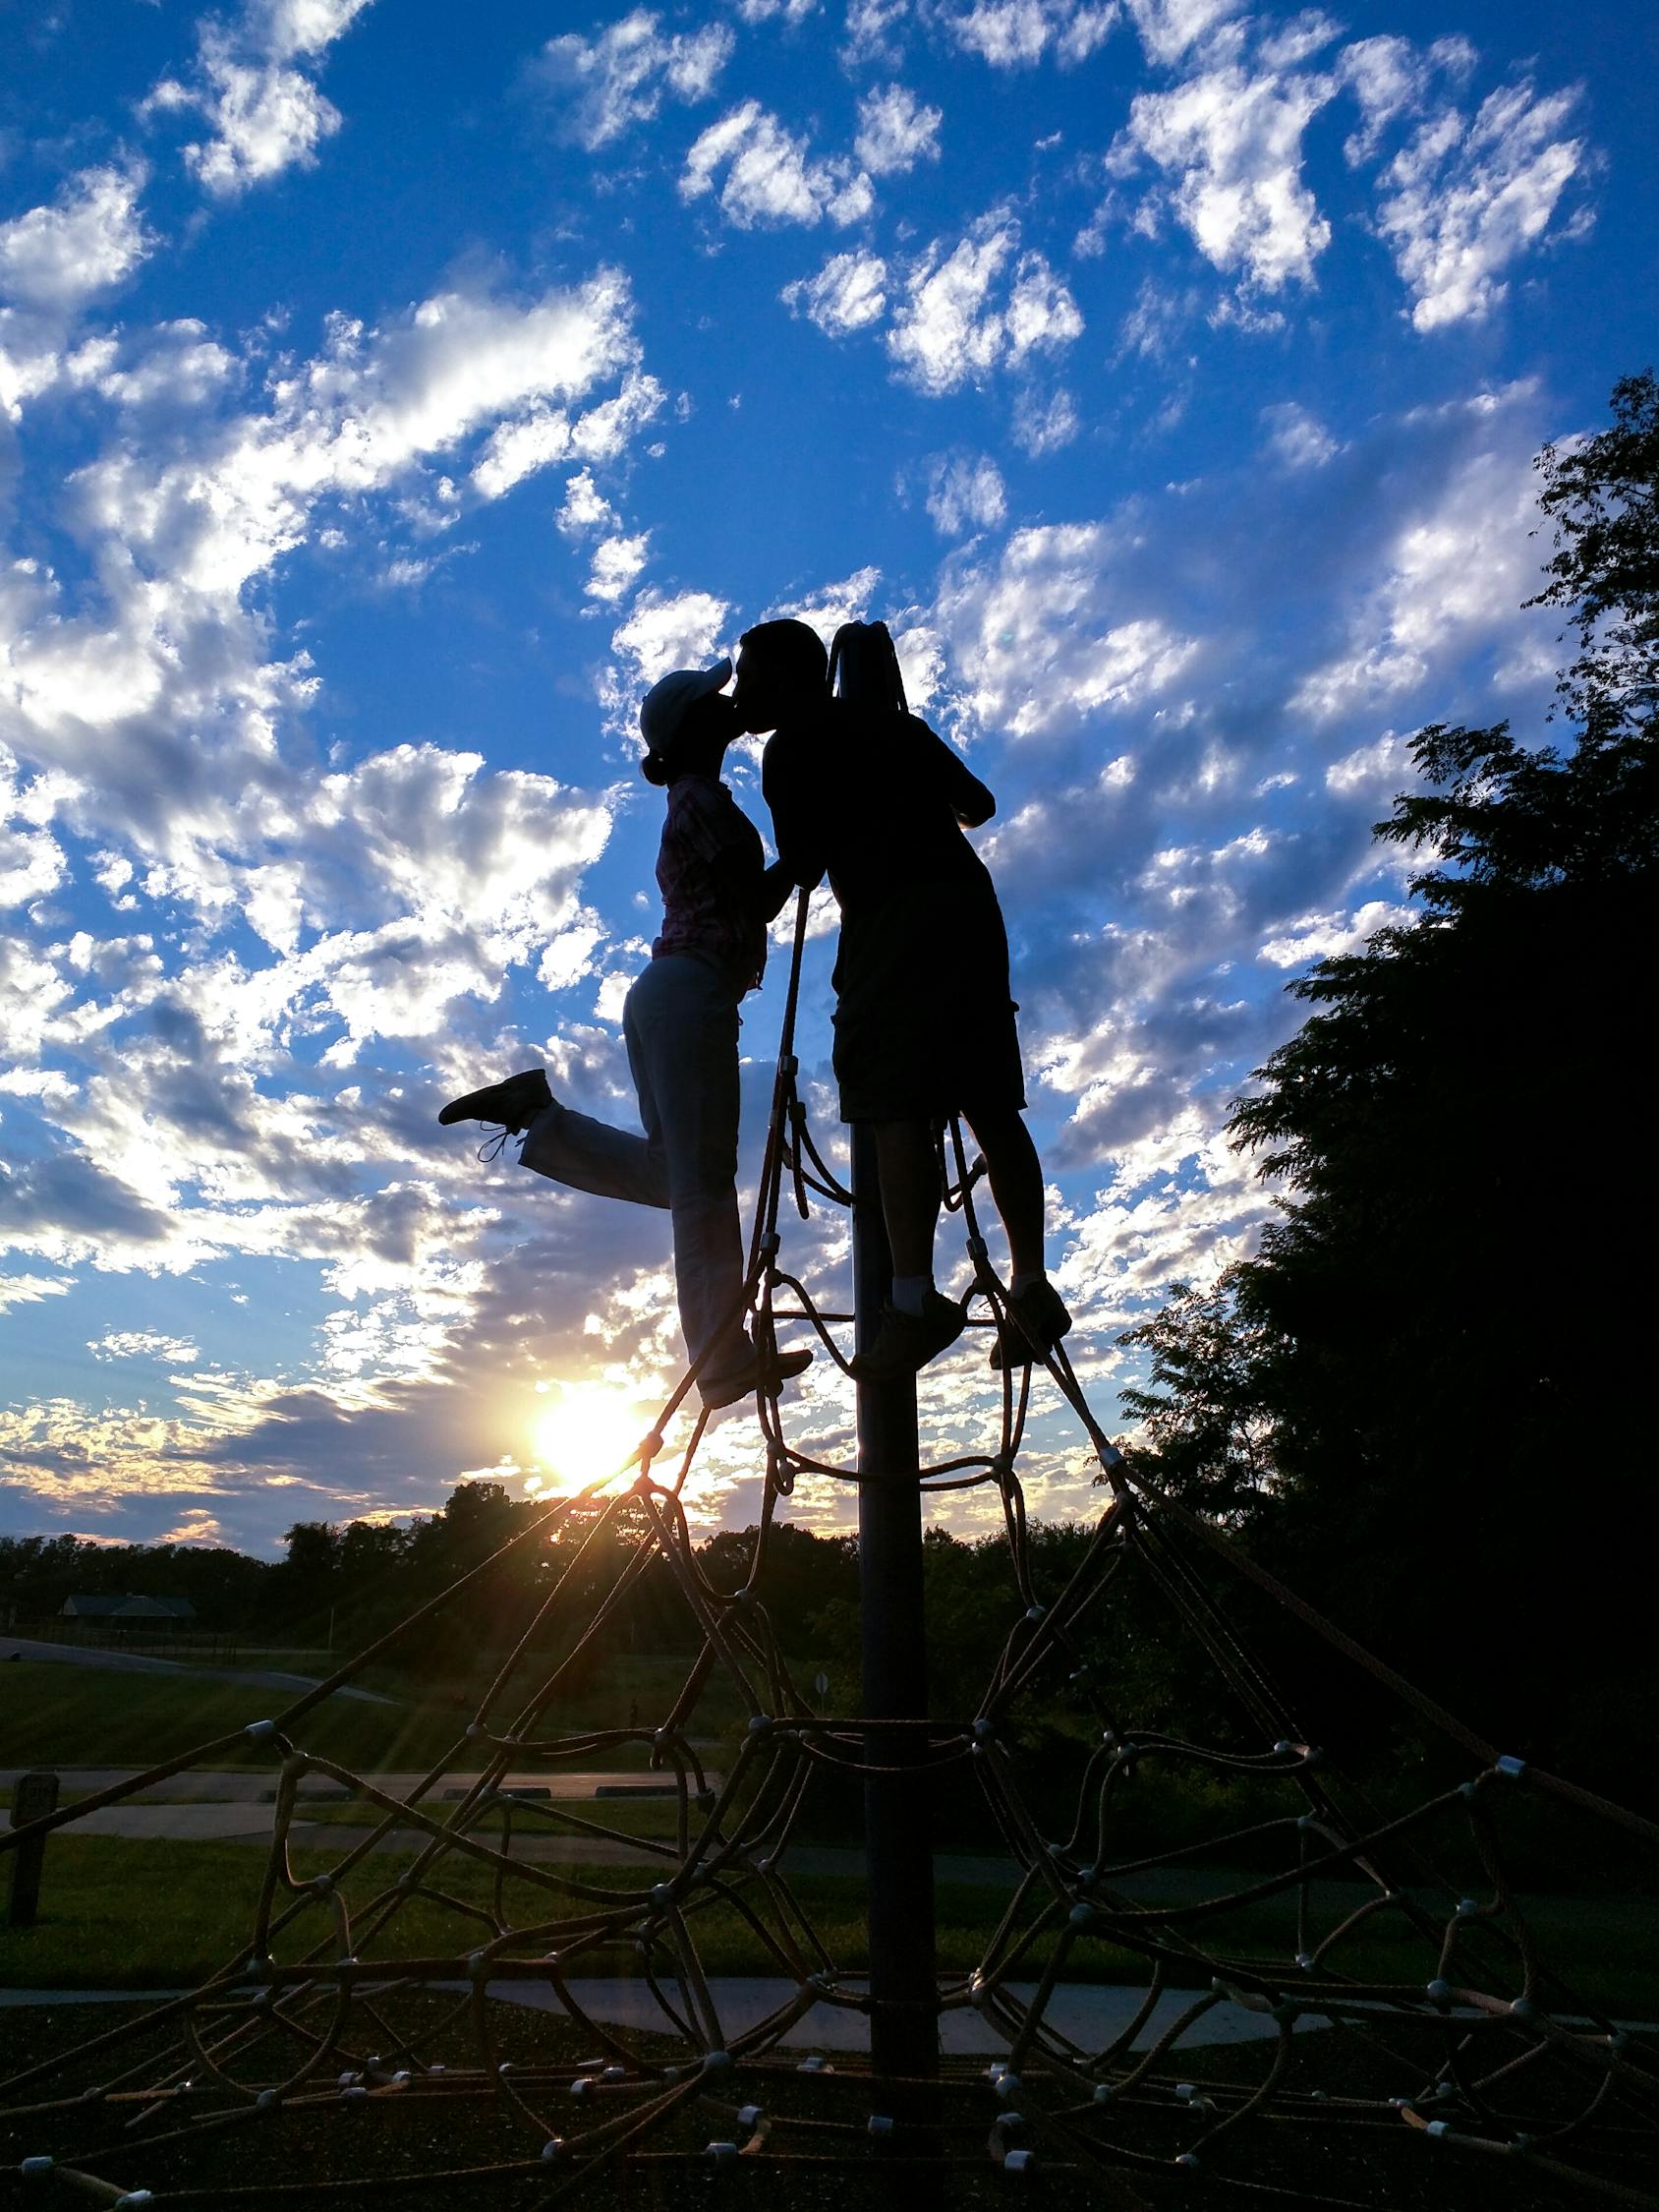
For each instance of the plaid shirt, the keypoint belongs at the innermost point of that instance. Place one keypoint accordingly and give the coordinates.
(710, 848)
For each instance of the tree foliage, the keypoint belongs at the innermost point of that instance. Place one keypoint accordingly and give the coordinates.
(1207, 1418)
(1443, 1340)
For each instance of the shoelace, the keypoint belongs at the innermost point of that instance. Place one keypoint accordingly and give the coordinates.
(492, 1147)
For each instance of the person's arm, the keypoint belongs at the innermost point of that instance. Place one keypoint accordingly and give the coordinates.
(971, 801)
(745, 882)
(796, 825)
(778, 881)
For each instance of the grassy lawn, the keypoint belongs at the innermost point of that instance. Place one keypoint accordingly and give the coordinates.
(124, 1914)
(142, 1915)
(652, 1817)
(56, 1715)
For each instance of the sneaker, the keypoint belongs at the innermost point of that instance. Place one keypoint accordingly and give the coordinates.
(1038, 1313)
(755, 1374)
(906, 1342)
(514, 1104)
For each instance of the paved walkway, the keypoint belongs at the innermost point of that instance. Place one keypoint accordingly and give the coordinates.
(197, 1786)
(1091, 2015)
(240, 1810)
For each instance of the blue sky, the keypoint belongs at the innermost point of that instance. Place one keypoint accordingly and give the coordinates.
(389, 393)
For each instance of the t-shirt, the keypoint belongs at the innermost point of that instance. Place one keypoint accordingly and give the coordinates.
(876, 800)
(710, 847)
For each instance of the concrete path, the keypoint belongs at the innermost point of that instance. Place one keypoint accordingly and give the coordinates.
(252, 1785)
(1090, 2015)
(238, 1822)
(241, 1812)
(138, 1662)
(248, 1821)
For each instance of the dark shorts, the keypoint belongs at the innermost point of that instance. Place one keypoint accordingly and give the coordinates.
(924, 1016)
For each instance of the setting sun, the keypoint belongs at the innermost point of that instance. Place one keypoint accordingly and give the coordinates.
(587, 1433)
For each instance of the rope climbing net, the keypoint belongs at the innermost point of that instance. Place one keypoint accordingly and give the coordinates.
(1354, 1992)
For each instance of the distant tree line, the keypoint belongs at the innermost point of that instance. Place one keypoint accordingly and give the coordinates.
(356, 1583)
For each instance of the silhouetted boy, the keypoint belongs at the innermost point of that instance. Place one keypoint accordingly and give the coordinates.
(924, 1016)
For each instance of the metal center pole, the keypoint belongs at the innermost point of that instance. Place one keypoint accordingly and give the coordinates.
(898, 1842)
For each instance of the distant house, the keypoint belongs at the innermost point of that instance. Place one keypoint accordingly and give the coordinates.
(128, 1608)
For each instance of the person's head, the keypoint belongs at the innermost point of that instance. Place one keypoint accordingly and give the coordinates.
(781, 668)
(687, 723)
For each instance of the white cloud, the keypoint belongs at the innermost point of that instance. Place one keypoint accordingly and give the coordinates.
(1457, 571)
(1297, 438)
(617, 558)
(849, 293)
(32, 860)
(896, 131)
(1039, 639)
(517, 448)
(873, 31)
(1372, 771)
(173, 367)
(1466, 199)
(29, 1290)
(265, 114)
(1324, 937)
(663, 631)
(1043, 425)
(956, 321)
(54, 261)
(1391, 78)
(87, 241)
(770, 11)
(584, 508)
(351, 420)
(621, 79)
(825, 608)
(1169, 27)
(145, 1344)
(1231, 143)
(770, 176)
(616, 563)
(1015, 34)
(964, 493)
(285, 29)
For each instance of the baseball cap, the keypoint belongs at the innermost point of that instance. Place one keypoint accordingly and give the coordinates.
(666, 704)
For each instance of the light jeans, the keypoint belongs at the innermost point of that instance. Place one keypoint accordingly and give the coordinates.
(680, 1024)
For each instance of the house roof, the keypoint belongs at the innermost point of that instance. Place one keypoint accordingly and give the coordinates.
(127, 1607)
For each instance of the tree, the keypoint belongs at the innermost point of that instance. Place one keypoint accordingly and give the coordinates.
(1456, 1286)
(1208, 1418)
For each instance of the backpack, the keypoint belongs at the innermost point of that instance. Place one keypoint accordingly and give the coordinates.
(864, 669)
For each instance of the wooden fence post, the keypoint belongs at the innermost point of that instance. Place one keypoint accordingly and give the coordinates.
(32, 1798)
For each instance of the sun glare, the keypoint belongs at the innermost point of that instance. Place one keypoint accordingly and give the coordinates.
(587, 1432)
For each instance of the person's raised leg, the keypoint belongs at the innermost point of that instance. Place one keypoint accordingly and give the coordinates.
(585, 1154)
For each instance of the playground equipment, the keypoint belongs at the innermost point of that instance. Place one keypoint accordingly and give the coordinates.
(1410, 2007)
